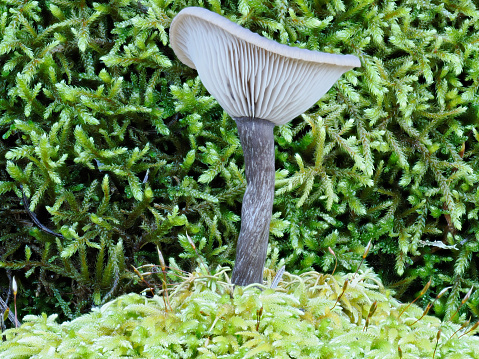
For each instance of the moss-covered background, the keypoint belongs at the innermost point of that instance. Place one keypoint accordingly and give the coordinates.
(119, 148)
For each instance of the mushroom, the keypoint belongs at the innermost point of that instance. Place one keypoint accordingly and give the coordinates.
(260, 84)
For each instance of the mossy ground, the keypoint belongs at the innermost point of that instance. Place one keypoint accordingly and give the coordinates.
(119, 148)
(313, 315)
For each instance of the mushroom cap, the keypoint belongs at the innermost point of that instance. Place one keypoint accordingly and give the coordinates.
(250, 75)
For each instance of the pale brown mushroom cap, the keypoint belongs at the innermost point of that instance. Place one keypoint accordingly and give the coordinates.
(250, 75)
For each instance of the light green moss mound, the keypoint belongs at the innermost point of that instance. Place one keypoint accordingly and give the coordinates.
(208, 319)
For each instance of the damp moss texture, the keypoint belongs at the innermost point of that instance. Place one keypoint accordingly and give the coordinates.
(118, 148)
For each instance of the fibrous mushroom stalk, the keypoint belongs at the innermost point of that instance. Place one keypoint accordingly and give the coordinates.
(257, 141)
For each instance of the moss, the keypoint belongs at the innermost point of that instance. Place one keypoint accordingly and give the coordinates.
(205, 317)
(119, 147)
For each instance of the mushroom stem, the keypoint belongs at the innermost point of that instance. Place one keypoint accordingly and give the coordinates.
(257, 141)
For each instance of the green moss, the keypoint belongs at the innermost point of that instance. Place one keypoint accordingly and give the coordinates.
(119, 148)
(210, 319)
